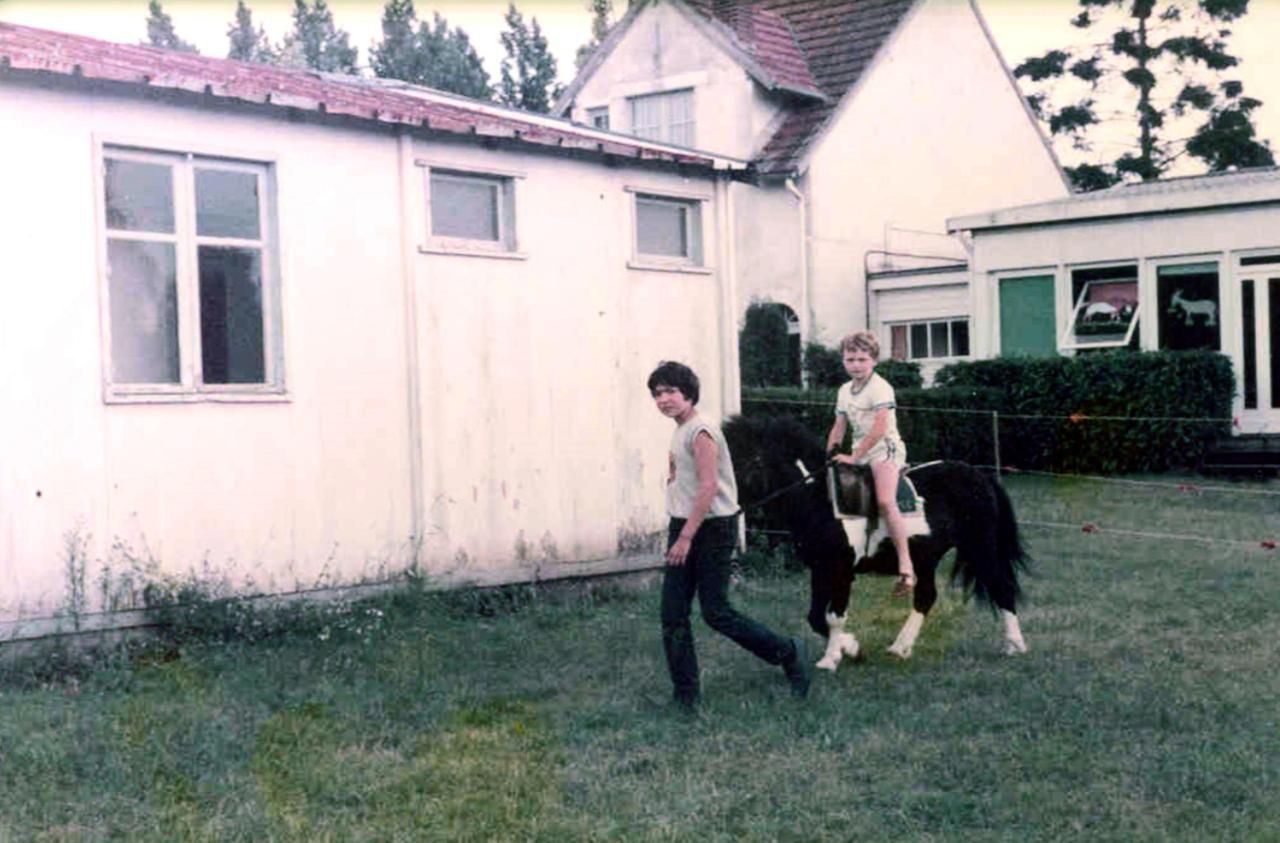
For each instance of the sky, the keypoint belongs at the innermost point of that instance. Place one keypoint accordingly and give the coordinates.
(1021, 28)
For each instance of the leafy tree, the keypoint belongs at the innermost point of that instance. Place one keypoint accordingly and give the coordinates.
(1156, 45)
(316, 40)
(600, 11)
(160, 31)
(247, 42)
(435, 56)
(529, 70)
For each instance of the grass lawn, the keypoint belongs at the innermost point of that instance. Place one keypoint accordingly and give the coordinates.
(1146, 709)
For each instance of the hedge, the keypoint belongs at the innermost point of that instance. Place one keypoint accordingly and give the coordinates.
(1118, 411)
(1105, 412)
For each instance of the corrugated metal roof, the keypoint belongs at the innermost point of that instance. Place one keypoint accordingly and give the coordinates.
(1182, 193)
(27, 50)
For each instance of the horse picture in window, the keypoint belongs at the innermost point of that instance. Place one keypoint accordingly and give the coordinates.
(1106, 308)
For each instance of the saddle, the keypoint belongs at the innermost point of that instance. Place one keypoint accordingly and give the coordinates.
(853, 492)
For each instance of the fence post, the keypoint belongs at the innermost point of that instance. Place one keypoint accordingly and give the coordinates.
(995, 439)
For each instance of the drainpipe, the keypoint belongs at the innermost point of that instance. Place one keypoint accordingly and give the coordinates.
(806, 311)
(408, 266)
(731, 377)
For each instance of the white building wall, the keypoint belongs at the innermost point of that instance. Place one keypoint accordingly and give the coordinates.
(934, 125)
(769, 230)
(664, 50)
(1053, 249)
(539, 442)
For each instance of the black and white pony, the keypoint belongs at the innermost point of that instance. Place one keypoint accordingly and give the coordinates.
(963, 508)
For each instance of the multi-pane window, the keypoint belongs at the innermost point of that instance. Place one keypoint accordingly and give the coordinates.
(1106, 307)
(189, 305)
(929, 339)
(666, 117)
(469, 210)
(598, 118)
(668, 230)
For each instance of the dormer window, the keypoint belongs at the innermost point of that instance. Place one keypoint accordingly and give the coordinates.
(598, 118)
(666, 117)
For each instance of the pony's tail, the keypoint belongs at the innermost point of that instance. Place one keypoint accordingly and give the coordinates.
(990, 553)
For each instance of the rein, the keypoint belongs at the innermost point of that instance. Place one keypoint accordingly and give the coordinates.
(803, 481)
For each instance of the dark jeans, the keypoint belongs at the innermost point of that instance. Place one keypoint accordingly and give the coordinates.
(706, 573)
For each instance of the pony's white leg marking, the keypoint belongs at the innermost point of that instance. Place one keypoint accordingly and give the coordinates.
(839, 643)
(906, 640)
(1013, 643)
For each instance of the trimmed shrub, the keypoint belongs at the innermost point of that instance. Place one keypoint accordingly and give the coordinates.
(764, 347)
(822, 367)
(1106, 412)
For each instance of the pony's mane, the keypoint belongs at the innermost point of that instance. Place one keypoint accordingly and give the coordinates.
(765, 450)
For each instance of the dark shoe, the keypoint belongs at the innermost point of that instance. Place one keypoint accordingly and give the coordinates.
(797, 668)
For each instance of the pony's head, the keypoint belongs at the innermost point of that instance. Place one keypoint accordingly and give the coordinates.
(765, 451)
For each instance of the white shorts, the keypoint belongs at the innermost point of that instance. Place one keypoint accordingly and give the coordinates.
(886, 450)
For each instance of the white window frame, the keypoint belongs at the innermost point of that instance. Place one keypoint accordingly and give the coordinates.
(664, 131)
(1068, 340)
(928, 324)
(695, 258)
(191, 386)
(594, 116)
(508, 241)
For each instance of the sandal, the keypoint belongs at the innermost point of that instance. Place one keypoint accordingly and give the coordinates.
(904, 585)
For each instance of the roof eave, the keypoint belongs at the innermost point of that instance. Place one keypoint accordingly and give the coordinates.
(1087, 208)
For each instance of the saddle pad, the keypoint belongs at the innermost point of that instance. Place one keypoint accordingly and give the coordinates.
(853, 493)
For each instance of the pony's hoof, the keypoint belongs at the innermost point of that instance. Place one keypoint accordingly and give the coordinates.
(827, 663)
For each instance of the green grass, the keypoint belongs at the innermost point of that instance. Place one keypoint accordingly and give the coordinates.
(1146, 710)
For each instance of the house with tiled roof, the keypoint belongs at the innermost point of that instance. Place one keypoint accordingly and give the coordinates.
(867, 123)
(281, 330)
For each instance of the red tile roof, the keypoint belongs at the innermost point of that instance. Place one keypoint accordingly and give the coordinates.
(839, 39)
(834, 41)
(27, 51)
(770, 41)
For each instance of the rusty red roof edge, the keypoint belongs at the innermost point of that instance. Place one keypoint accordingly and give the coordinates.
(42, 51)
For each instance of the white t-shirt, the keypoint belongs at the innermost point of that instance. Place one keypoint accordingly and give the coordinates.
(682, 486)
(860, 408)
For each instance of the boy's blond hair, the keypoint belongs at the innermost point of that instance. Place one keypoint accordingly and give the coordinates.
(861, 341)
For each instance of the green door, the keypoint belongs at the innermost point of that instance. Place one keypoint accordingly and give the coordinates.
(1027, 323)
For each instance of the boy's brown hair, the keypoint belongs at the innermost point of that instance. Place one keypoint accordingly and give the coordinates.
(861, 341)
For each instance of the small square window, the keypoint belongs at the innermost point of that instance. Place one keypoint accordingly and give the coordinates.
(471, 211)
(598, 118)
(668, 231)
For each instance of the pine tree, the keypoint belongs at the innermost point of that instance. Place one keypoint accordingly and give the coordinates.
(248, 43)
(435, 56)
(1159, 42)
(529, 70)
(160, 31)
(600, 10)
(321, 45)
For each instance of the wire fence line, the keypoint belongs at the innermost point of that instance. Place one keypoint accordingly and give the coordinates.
(1072, 417)
(974, 439)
